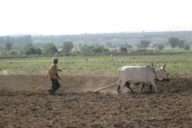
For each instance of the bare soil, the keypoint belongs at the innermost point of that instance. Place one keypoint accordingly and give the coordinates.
(25, 103)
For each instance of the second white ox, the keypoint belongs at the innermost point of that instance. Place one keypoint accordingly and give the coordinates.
(140, 74)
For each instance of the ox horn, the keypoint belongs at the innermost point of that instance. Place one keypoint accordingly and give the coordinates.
(152, 64)
(164, 66)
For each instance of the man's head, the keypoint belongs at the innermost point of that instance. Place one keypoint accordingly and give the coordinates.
(55, 60)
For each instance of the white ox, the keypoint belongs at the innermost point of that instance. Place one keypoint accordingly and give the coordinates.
(131, 75)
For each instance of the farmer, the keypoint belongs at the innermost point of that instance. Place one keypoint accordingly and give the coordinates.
(54, 76)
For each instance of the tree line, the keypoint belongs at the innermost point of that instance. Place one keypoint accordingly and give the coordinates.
(67, 48)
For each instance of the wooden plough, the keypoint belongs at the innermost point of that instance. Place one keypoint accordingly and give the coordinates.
(105, 87)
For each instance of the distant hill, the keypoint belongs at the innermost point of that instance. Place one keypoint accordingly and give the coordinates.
(115, 38)
(105, 39)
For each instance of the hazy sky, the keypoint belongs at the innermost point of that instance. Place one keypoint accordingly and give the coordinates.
(93, 16)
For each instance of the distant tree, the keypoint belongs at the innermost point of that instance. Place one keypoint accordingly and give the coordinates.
(144, 44)
(87, 50)
(8, 46)
(67, 47)
(7, 43)
(175, 42)
(92, 50)
(186, 46)
(50, 49)
(123, 50)
(129, 46)
(14, 52)
(38, 51)
(30, 50)
(160, 46)
(100, 49)
(181, 43)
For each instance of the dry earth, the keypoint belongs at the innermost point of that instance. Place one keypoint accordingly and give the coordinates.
(25, 103)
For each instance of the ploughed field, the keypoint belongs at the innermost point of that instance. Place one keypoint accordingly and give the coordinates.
(25, 103)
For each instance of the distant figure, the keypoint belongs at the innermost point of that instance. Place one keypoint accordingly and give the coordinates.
(54, 76)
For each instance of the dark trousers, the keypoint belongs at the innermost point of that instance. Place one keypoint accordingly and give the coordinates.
(55, 86)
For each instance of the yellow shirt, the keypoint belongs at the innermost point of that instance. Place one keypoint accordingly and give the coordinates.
(53, 74)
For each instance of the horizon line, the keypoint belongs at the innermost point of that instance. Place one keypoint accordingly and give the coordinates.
(90, 33)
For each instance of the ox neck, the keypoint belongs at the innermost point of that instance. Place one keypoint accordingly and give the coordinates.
(157, 76)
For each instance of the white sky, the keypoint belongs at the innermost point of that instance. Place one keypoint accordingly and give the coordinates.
(93, 16)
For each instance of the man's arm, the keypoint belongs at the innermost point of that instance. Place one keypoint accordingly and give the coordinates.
(57, 75)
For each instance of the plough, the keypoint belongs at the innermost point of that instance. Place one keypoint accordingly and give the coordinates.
(105, 87)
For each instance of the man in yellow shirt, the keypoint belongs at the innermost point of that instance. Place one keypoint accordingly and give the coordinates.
(54, 76)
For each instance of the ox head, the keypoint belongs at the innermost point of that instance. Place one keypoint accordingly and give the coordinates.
(162, 74)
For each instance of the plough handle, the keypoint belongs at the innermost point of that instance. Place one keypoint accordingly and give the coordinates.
(105, 87)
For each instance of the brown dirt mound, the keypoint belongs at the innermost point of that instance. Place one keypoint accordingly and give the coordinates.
(24, 102)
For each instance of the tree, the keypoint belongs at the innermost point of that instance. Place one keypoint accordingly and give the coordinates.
(123, 50)
(50, 49)
(67, 47)
(129, 46)
(160, 46)
(175, 42)
(30, 50)
(181, 43)
(38, 51)
(8, 46)
(87, 50)
(144, 44)
(100, 49)
(186, 46)
(92, 50)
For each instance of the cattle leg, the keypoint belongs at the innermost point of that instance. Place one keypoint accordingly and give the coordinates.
(142, 86)
(120, 86)
(118, 89)
(127, 84)
(150, 88)
(155, 87)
